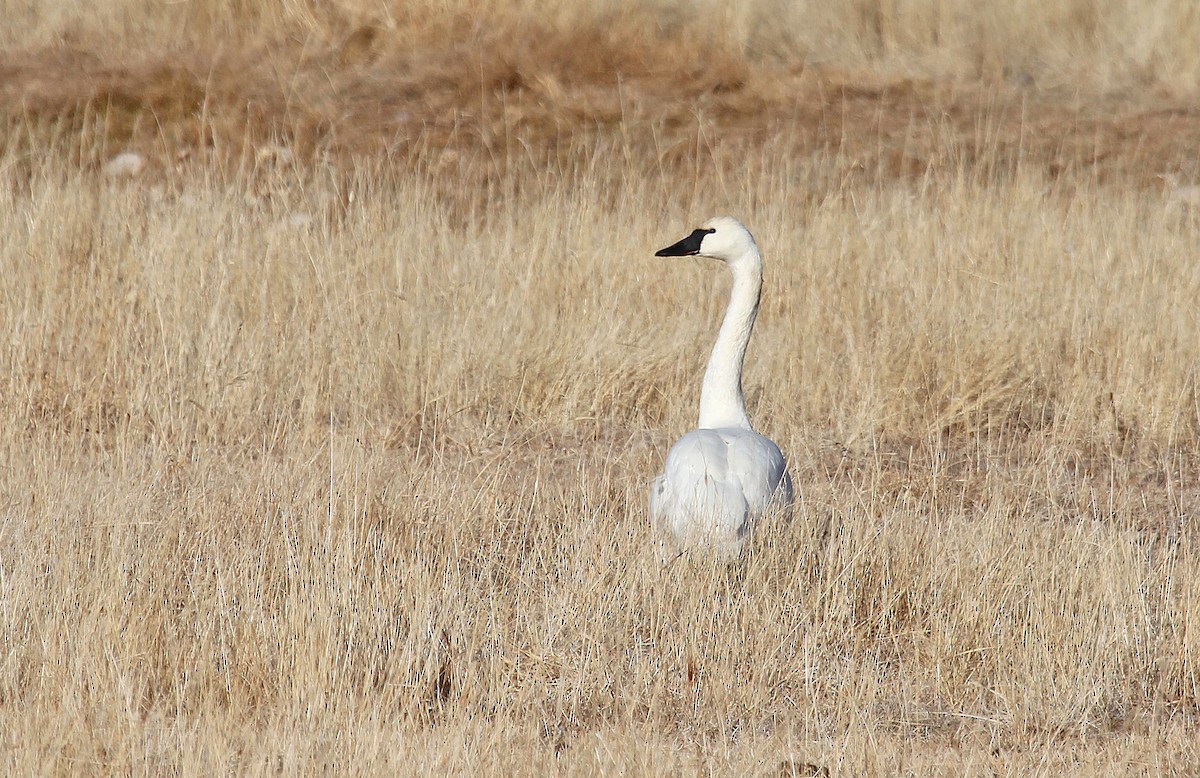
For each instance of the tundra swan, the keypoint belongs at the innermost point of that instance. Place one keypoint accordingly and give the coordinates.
(722, 477)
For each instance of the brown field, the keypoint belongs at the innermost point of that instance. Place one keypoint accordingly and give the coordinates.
(325, 437)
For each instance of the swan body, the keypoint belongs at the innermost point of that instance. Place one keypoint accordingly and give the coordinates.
(721, 479)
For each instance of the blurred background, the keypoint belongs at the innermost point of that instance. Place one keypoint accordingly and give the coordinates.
(1062, 83)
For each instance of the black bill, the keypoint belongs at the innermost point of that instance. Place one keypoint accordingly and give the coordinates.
(687, 247)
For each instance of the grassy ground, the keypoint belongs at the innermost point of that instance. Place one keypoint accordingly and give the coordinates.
(325, 437)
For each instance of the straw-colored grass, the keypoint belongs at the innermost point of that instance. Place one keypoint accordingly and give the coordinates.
(331, 458)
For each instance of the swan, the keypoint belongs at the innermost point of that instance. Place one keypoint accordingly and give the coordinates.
(720, 479)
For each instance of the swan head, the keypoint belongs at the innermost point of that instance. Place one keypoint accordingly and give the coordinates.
(722, 238)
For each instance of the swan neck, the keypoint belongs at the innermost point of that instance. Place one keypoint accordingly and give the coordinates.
(721, 401)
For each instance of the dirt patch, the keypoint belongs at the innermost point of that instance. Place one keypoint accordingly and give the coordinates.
(370, 94)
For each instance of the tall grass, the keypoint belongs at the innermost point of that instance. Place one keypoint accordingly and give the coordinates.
(364, 490)
(324, 443)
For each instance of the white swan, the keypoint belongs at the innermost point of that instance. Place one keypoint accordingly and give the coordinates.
(721, 478)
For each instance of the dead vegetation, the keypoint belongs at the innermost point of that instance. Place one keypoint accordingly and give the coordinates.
(324, 436)
(506, 88)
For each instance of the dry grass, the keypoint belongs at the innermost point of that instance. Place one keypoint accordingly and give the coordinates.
(324, 442)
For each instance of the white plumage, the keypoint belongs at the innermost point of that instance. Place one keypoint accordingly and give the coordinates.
(721, 479)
